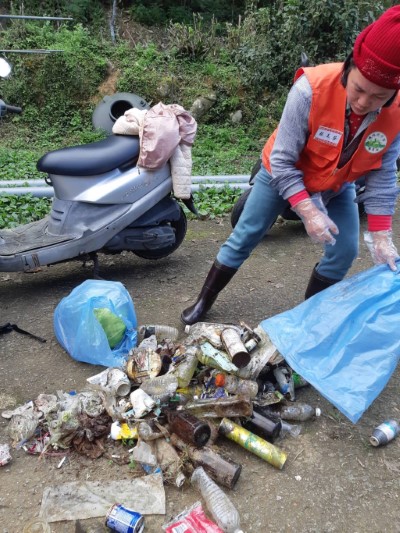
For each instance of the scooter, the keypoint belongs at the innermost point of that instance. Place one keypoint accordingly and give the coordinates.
(102, 203)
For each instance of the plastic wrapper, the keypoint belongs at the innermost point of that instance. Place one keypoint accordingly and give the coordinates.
(192, 520)
(344, 340)
(79, 331)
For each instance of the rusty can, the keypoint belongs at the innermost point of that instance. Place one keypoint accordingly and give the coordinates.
(124, 520)
(235, 348)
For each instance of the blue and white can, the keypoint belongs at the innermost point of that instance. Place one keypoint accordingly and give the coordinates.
(124, 520)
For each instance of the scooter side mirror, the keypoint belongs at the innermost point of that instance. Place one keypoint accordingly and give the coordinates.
(5, 68)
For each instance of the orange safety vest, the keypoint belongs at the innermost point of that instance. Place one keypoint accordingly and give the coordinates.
(320, 156)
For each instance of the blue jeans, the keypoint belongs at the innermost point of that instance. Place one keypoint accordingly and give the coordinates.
(263, 206)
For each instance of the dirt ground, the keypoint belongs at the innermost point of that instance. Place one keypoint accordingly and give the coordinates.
(333, 479)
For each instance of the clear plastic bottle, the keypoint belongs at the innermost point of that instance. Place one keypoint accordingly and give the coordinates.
(220, 506)
(185, 369)
(161, 387)
(298, 412)
(234, 385)
(293, 430)
(210, 331)
(161, 332)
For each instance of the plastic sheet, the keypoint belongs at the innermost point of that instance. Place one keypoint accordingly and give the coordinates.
(81, 334)
(344, 340)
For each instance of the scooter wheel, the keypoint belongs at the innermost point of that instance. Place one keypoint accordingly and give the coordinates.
(180, 227)
(238, 208)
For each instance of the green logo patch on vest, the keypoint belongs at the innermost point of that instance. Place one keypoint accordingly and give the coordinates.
(375, 142)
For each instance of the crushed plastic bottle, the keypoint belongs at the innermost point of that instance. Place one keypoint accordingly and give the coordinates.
(161, 387)
(220, 506)
(186, 367)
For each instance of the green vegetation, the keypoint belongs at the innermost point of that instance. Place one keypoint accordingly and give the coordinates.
(245, 52)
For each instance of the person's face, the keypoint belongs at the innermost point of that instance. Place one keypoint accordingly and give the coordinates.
(364, 96)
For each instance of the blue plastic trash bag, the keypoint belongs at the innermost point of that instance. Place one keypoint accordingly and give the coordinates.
(79, 331)
(345, 340)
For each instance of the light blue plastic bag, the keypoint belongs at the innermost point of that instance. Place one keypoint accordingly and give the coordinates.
(345, 341)
(80, 333)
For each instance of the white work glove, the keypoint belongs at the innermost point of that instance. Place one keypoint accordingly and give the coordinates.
(382, 249)
(316, 221)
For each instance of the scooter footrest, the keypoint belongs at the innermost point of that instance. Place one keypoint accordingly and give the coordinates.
(28, 237)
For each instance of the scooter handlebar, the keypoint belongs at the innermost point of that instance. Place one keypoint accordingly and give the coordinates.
(5, 108)
(13, 109)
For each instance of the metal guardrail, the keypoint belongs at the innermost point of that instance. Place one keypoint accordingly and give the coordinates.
(41, 189)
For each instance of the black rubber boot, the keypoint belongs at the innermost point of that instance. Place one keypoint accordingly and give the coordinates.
(218, 277)
(318, 283)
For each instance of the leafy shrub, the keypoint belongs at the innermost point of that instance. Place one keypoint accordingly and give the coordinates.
(17, 210)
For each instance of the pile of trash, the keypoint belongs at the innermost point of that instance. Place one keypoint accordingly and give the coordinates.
(170, 402)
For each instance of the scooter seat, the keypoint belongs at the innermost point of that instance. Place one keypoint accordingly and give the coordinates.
(94, 158)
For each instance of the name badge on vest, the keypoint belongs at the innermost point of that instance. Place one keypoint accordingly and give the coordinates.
(328, 136)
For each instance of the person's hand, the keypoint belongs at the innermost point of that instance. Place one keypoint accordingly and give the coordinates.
(382, 249)
(317, 223)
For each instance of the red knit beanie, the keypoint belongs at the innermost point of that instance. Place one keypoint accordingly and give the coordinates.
(376, 51)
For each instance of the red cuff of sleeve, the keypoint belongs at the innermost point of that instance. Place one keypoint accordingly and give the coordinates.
(298, 197)
(379, 222)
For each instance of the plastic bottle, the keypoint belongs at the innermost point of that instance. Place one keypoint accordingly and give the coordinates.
(285, 382)
(220, 506)
(209, 331)
(161, 387)
(148, 431)
(185, 369)
(161, 332)
(298, 412)
(293, 430)
(384, 433)
(235, 385)
(210, 356)
(212, 408)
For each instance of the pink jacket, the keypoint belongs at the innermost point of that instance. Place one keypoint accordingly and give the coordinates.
(166, 132)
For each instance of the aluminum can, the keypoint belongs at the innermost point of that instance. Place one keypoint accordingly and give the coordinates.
(124, 520)
(384, 433)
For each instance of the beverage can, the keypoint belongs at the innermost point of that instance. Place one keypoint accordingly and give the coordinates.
(124, 520)
(384, 433)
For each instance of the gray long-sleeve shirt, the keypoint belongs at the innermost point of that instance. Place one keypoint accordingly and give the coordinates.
(380, 185)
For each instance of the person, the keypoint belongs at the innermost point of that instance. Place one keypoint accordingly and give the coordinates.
(341, 122)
